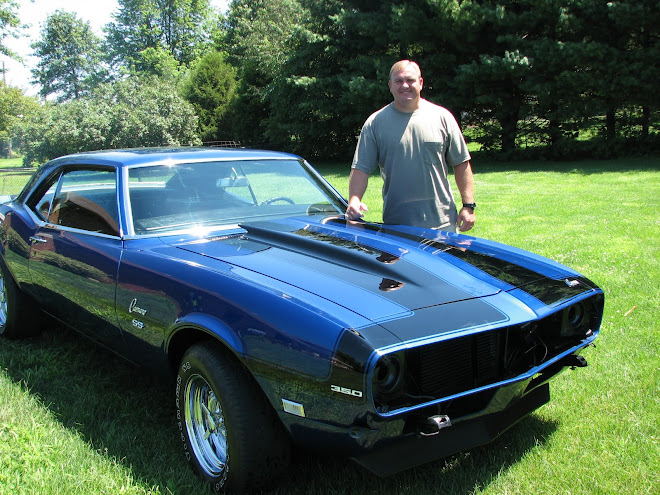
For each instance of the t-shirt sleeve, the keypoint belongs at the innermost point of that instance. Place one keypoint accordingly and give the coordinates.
(366, 151)
(457, 151)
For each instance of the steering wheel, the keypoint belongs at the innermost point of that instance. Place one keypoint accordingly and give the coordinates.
(278, 198)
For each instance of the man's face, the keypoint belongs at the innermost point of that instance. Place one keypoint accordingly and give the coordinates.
(406, 86)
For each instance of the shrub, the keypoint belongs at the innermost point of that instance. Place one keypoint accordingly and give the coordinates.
(132, 113)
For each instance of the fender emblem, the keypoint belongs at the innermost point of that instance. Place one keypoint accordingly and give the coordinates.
(346, 391)
(134, 308)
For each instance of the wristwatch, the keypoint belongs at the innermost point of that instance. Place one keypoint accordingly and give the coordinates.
(472, 206)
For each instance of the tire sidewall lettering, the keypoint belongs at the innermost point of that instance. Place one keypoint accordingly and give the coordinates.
(186, 370)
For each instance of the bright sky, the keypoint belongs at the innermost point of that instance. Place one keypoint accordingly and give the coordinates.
(35, 12)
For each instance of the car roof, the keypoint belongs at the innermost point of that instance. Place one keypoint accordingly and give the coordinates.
(122, 158)
(146, 156)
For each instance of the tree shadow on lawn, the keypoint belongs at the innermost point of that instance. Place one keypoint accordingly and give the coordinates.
(484, 163)
(583, 167)
(127, 416)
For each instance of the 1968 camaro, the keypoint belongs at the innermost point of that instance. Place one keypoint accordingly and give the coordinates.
(280, 322)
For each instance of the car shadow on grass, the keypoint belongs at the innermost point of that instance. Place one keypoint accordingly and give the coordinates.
(462, 473)
(127, 416)
(121, 412)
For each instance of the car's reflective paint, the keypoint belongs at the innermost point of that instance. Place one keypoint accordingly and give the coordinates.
(310, 304)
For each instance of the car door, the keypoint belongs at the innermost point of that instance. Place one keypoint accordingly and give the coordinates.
(76, 249)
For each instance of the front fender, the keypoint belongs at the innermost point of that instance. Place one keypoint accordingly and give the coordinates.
(202, 326)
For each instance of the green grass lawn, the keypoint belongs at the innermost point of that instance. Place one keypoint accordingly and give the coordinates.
(10, 163)
(76, 420)
(13, 175)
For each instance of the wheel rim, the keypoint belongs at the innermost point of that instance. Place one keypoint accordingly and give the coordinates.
(3, 302)
(205, 423)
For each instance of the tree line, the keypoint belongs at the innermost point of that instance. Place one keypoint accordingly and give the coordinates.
(530, 78)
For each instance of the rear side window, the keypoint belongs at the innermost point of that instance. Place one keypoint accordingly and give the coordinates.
(81, 199)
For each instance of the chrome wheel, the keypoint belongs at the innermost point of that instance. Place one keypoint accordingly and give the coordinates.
(205, 423)
(230, 433)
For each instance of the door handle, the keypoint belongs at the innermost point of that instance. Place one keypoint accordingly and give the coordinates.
(37, 240)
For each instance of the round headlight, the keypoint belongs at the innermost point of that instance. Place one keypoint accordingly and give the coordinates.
(387, 375)
(575, 315)
(576, 320)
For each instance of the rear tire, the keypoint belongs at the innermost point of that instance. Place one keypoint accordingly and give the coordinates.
(19, 315)
(229, 431)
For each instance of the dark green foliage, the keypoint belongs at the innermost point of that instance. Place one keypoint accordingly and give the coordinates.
(260, 40)
(550, 78)
(211, 89)
(332, 81)
(533, 74)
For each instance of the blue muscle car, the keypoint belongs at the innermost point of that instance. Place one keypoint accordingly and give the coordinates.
(280, 322)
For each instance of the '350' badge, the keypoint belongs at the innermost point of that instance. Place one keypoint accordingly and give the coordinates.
(346, 391)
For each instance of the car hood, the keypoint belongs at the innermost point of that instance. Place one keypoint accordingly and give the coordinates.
(380, 272)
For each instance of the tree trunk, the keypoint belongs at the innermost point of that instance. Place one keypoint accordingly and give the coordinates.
(554, 126)
(508, 118)
(610, 125)
(646, 117)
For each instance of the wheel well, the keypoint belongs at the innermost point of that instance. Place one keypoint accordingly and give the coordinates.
(185, 338)
(189, 336)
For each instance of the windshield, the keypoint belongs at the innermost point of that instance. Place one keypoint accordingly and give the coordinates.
(167, 198)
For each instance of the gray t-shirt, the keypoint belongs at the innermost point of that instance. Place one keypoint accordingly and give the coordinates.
(413, 151)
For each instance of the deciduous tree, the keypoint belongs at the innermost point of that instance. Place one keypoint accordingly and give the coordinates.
(14, 107)
(10, 25)
(182, 28)
(69, 57)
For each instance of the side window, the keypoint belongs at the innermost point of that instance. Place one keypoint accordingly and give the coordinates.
(42, 208)
(82, 199)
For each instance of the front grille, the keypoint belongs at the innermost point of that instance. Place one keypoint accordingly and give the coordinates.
(462, 364)
(450, 367)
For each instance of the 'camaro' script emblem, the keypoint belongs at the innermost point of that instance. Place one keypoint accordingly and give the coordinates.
(134, 308)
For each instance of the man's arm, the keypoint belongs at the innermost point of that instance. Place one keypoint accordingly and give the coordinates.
(465, 183)
(357, 185)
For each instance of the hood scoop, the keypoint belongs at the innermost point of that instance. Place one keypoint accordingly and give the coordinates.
(348, 253)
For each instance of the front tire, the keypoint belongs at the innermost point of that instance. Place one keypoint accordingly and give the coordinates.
(229, 431)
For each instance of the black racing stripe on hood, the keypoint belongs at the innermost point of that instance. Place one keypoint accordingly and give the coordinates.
(357, 263)
(547, 290)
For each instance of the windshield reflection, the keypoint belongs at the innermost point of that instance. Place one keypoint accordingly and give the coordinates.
(168, 198)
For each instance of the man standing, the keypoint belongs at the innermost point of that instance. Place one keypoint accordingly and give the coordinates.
(413, 141)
